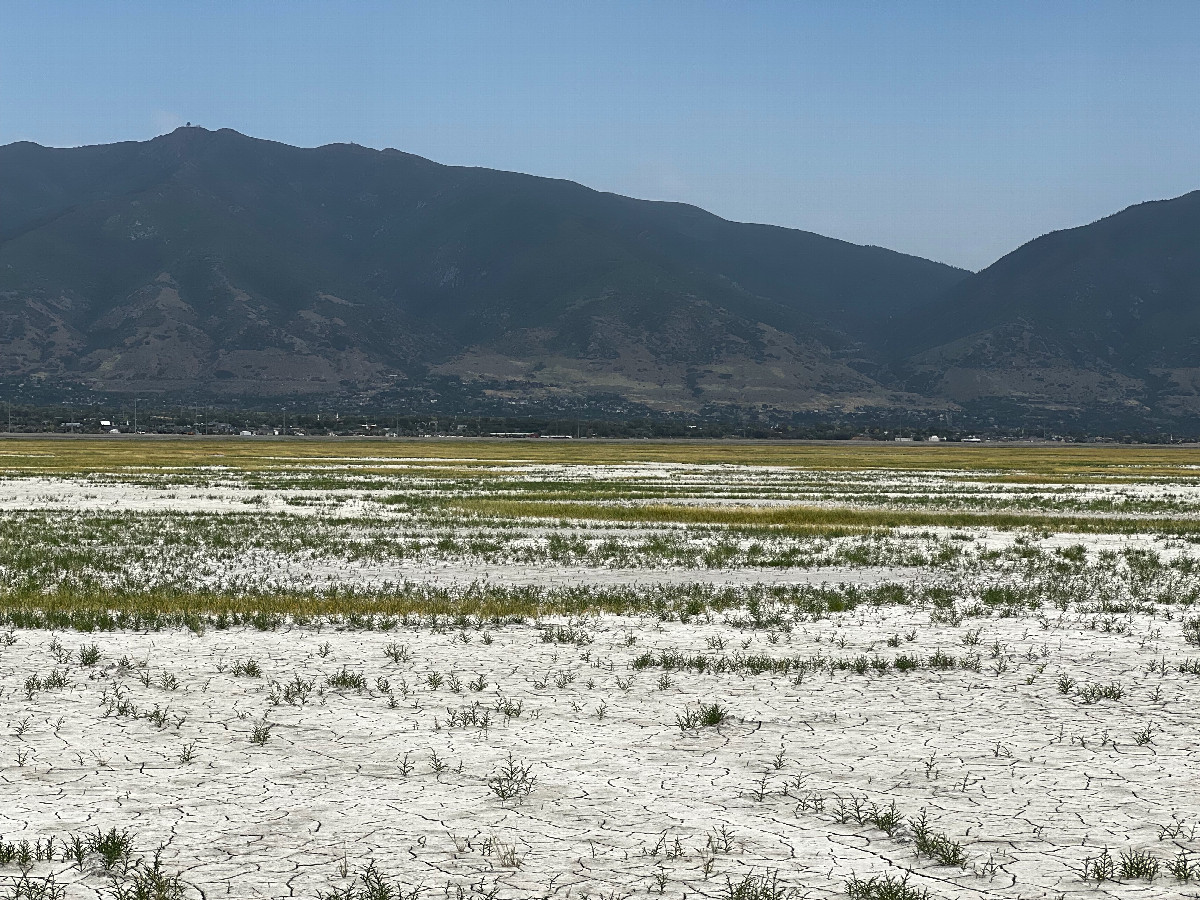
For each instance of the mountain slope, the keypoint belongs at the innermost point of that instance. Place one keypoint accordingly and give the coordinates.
(1103, 314)
(212, 262)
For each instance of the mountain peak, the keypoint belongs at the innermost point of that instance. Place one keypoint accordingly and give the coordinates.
(207, 262)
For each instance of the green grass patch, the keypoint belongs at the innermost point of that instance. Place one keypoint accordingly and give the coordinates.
(820, 518)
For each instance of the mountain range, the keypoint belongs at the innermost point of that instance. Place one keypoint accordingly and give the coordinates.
(208, 264)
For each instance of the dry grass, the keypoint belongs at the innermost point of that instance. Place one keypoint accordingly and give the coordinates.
(112, 454)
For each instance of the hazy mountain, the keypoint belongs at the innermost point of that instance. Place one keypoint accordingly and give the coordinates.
(210, 262)
(1105, 315)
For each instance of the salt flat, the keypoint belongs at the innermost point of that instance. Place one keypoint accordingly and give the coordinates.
(1028, 779)
(238, 683)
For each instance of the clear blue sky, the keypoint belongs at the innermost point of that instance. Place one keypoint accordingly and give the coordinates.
(953, 130)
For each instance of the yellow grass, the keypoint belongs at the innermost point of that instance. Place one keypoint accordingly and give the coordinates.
(1022, 462)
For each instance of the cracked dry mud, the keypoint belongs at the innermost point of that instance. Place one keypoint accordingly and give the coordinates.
(939, 698)
(1030, 780)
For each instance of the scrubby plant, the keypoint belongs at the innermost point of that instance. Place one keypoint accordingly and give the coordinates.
(370, 884)
(704, 715)
(934, 844)
(346, 680)
(144, 881)
(513, 780)
(261, 732)
(26, 887)
(941, 660)
(1138, 864)
(886, 818)
(113, 847)
(1093, 693)
(1099, 868)
(247, 668)
(1181, 867)
(758, 887)
(89, 655)
(884, 887)
(509, 708)
(1191, 630)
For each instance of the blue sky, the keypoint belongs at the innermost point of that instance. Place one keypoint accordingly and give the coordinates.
(952, 130)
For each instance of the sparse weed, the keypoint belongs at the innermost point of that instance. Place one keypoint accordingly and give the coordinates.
(1099, 868)
(346, 680)
(935, 845)
(247, 668)
(261, 732)
(758, 887)
(1181, 867)
(704, 715)
(89, 655)
(1094, 693)
(1138, 864)
(884, 887)
(513, 780)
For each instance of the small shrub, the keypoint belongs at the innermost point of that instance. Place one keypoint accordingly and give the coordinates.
(89, 655)
(397, 653)
(148, 882)
(248, 668)
(886, 818)
(262, 731)
(27, 888)
(1138, 864)
(883, 887)
(936, 845)
(758, 887)
(941, 660)
(112, 846)
(1181, 868)
(1191, 630)
(1099, 868)
(705, 715)
(347, 680)
(1093, 693)
(513, 780)
(370, 885)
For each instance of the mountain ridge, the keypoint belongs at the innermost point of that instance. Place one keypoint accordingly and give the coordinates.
(209, 263)
(1103, 312)
(213, 247)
